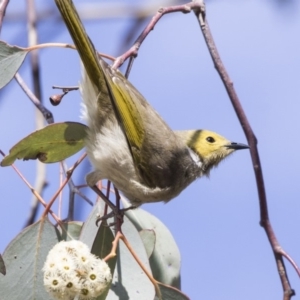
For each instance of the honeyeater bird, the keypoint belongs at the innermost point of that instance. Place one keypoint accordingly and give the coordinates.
(127, 140)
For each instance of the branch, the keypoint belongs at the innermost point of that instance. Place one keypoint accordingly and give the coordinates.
(133, 51)
(34, 192)
(264, 216)
(40, 180)
(74, 190)
(3, 6)
(69, 174)
(112, 254)
(46, 113)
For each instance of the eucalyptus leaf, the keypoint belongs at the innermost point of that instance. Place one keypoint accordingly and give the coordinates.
(89, 228)
(129, 281)
(99, 239)
(24, 258)
(70, 231)
(149, 238)
(102, 247)
(165, 259)
(11, 59)
(51, 144)
(103, 241)
(2, 266)
(103, 244)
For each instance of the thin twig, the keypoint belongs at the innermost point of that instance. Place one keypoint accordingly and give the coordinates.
(69, 175)
(133, 51)
(66, 89)
(149, 275)
(46, 113)
(34, 192)
(73, 190)
(3, 6)
(131, 33)
(112, 254)
(265, 222)
(77, 163)
(62, 45)
(107, 195)
(40, 180)
(71, 204)
(60, 199)
(119, 221)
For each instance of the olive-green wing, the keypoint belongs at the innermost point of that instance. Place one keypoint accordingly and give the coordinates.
(125, 106)
(83, 44)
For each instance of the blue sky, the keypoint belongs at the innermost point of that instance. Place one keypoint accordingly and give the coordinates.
(215, 221)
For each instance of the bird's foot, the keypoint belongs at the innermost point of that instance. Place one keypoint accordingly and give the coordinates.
(117, 213)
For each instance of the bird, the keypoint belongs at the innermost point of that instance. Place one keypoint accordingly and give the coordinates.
(127, 141)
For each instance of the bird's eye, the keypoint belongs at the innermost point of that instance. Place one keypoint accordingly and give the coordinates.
(210, 139)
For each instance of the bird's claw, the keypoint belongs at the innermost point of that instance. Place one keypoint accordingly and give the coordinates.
(117, 213)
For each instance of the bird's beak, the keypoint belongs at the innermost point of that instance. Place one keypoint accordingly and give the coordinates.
(236, 146)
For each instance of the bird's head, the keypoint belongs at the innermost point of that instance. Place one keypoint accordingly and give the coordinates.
(210, 147)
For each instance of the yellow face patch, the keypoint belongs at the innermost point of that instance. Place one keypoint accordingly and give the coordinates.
(208, 145)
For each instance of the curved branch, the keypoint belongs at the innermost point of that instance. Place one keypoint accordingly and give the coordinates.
(264, 215)
(133, 51)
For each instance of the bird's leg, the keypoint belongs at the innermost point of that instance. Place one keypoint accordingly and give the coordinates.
(103, 197)
(119, 221)
(117, 212)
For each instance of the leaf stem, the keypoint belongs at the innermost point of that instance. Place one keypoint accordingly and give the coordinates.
(61, 45)
(112, 254)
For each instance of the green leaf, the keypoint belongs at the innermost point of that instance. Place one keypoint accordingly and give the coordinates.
(129, 280)
(51, 144)
(71, 230)
(165, 259)
(24, 258)
(149, 238)
(103, 241)
(2, 266)
(101, 247)
(11, 59)
(99, 239)
(89, 228)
